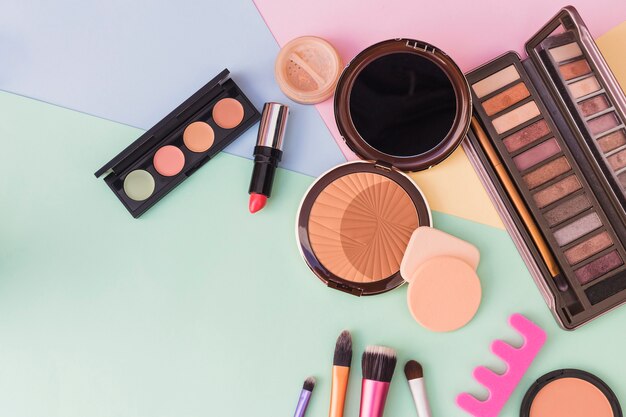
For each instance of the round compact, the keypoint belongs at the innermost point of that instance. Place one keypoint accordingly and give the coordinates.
(404, 102)
(401, 105)
(354, 225)
(570, 393)
(307, 69)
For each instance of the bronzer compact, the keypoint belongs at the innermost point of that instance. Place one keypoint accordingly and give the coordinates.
(178, 145)
(401, 105)
(549, 143)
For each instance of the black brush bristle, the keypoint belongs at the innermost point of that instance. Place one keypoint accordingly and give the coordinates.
(309, 384)
(413, 370)
(343, 350)
(378, 363)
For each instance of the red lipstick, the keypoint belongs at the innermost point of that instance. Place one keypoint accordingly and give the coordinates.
(267, 154)
(257, 202)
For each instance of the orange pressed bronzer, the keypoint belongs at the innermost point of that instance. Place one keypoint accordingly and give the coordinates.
(359, 226)
(570, 393)
(570, 397)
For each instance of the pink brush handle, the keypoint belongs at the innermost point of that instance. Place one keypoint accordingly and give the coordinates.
(373, 397)
(501, 387)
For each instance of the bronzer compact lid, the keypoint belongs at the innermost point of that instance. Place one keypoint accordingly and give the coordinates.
(403, 102)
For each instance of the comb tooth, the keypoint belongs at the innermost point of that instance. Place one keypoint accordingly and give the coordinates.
(473, 406)
(528, 329)
(505, 351)
(487, 377)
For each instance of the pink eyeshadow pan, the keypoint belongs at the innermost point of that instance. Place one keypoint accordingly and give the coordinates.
(603, 123)
(577, 229)
(526, 136)
(618, 160)
(593, 105)
(536, 154)
(169, 160)
(622, 179)
(599, 267)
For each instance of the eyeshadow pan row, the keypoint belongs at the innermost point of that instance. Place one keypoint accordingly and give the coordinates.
(603, 121)
(197, 137)
(547, 173)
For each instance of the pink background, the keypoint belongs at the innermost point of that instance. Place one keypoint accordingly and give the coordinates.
(471, 32)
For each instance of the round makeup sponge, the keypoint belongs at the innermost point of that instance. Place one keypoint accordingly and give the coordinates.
(444, 294)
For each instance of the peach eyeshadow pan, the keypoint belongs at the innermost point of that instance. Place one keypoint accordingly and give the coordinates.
(547, 172)
(359, 226)
(198, 136)
(612, 141)
(228, 113)
(575, 69)
(506, 99)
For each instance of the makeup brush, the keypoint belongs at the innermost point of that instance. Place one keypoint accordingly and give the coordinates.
(341, 373)
(378, 364)
(415, 377)
(305, 396)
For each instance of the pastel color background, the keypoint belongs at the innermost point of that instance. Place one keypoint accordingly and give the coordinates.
(199, 308)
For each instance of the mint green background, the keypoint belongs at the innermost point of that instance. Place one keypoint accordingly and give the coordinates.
(199, 308)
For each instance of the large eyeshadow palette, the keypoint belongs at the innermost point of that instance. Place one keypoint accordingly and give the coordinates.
(178, 145)
(564, 157)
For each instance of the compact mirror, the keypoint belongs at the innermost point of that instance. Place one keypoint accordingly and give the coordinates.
(402, 104)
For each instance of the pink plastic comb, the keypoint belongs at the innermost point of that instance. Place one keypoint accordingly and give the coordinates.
(501, 387)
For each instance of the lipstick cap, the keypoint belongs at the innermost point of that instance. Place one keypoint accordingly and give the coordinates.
(273, 124)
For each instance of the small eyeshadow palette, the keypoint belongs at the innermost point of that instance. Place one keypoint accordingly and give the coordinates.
(556, 123)
(178, 145)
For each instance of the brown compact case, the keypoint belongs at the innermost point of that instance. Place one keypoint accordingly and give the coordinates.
(400, 105)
